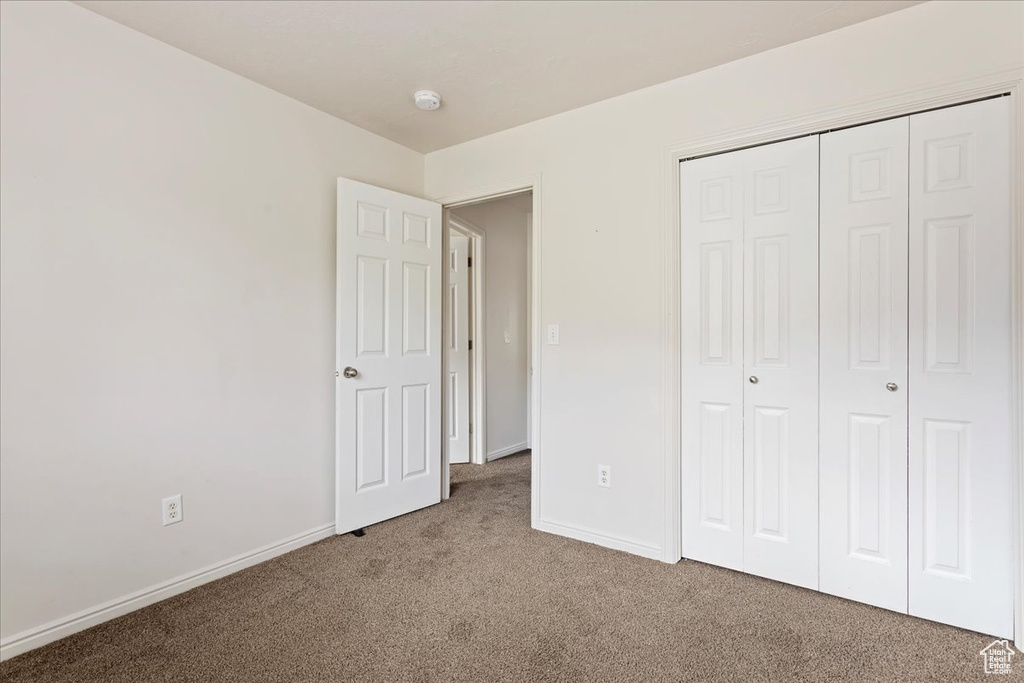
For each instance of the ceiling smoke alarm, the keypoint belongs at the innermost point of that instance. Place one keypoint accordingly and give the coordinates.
(427, 100)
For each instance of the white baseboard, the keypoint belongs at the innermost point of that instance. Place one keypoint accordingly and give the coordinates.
(502, 452)
(613, 542)
(65, 626)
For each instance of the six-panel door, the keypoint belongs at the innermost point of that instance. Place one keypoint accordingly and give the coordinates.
(388, 354)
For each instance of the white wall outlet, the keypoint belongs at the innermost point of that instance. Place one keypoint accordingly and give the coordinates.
(604, 476)
(508, 337)
(172, 510)
(553, 334)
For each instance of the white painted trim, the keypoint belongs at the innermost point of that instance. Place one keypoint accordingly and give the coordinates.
(488, 192)
(536, 327)
(531, 184)
(510, 450)
(87, 618)
(588, 536)
(671, 384)
(1017, 336)
(446, 479)
(892, 104)
(529, 331)
(478, 407)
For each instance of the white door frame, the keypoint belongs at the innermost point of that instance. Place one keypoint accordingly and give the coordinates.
(530, 184)
(478, 320)
(896, 104)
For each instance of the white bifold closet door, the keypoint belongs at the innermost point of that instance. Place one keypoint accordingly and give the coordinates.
(863, 394)
(750, 355)
(780, 349)
(960, 367)
(711, 241)
(916, 499)
(908, 473)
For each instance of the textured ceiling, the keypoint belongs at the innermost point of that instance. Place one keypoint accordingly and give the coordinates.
(496, 64)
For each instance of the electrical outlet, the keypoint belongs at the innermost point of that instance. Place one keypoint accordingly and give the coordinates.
(508, 337)
(553, 334)
(604, 476)
(172, 510)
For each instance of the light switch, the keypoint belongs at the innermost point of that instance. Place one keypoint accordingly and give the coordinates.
(553, 334)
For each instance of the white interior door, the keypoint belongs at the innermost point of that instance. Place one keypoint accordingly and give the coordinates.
(960, 367)
(749, 293)
(388, 354)
(863, 394)
(780, 450)
(458, 348)
(711, 404)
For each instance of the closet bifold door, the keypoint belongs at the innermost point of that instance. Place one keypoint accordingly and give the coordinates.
(863, 392)
(749, 332)
(711, 404)
(960, 368)
(780, 349)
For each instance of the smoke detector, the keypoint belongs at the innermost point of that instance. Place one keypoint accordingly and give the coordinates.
(427, 100)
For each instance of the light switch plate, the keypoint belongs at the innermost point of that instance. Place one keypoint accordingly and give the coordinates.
(553, 334)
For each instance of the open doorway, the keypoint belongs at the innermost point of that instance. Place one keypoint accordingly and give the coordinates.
(488, 329)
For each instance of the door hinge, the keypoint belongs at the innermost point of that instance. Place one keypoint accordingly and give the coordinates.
(469, 261)
(470, 344)
(470, 427)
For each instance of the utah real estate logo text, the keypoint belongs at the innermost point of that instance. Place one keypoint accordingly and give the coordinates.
(997, 657)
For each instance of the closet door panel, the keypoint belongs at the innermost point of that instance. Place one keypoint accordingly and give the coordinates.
(863, 376)
(711, 243)
(960, 368)
(780, 245)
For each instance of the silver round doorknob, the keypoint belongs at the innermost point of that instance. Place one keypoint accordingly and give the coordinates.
(349, 372)
(891, 386)
(754, 379)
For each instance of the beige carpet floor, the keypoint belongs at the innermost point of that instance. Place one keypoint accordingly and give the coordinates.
(466, 591)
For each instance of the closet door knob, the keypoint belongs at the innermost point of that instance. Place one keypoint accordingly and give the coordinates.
(349, 372)
(891, 386)
(754, 379)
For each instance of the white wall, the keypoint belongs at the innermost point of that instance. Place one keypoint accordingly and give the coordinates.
(167, 303)
(504, 224)
(600, 228)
